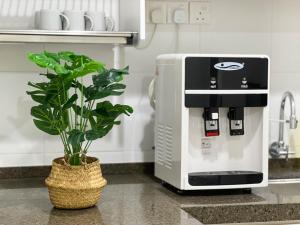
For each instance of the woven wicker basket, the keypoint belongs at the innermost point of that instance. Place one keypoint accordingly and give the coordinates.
(75, 187)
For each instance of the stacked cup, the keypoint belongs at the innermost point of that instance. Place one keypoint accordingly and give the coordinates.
(73, 20)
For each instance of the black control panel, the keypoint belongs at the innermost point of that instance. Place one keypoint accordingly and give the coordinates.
(220, 73)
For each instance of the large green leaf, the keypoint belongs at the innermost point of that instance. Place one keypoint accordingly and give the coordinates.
(48, 121)
(38, 98)
(86, 68)
(42, 112)
(40, 86)
(45, 120)
(94, 134)
(70, 102)
(76, 84)
(106, 84)
(44, 60)
(111, 76)
(106, 115)
(53, 56)
(85, 112)
(101, 93)
(106, 109)
(66, 56)
(46, 127)
(75, 137)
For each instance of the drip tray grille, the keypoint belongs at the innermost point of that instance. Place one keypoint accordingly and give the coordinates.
(225, 178)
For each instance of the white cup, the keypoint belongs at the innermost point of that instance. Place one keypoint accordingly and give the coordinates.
(73, 20)
(97, 21)
(48, 19)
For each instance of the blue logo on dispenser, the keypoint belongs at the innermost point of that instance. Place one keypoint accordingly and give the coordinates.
(229, 66)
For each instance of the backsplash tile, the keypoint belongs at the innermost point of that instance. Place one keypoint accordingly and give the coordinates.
(246, 27)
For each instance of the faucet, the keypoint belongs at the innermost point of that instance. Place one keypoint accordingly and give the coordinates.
(279, 148)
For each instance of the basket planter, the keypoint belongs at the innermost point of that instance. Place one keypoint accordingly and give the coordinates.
(75, 187)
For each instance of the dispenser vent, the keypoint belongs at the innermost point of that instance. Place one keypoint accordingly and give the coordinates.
(164, 145)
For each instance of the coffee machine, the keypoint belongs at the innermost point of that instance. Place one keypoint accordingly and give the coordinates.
(211, 121)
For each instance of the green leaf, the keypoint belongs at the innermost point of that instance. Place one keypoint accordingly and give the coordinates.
(48, 121)
(75, 137)
(46, 127)
(107, 77)
(126, 109)
(40, 86)
(53, 56)
(38, 98)
(95, 95)
(87, 68)
(45, 60)
(50, 76)
(42, 112)
(116, 87)
(70, 102)
(80, 87)
(94, 134)
(106, 109)
(92, 121)
(66, 56)
(85, 112)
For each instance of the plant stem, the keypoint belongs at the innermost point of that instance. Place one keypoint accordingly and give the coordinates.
(88, 144)
(90, 107)
(66, 96)
(81, 105)
(64, 138)
(66, 146)
(76, 116)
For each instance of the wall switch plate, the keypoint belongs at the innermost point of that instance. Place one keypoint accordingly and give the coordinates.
(180, 10)
(200, 12)
(156, 12)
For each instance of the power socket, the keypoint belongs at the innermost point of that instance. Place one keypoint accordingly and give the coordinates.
(200, 12)
(177, 12)
(156, 12)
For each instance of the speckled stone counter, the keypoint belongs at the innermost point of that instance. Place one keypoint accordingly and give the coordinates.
(131, 200)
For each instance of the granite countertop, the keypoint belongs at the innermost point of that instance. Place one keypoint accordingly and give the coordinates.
(138, 199)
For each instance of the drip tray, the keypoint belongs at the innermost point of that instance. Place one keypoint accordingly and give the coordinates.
(245, 213)
(225, 178)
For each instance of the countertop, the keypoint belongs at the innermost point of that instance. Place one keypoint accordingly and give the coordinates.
(137, 199)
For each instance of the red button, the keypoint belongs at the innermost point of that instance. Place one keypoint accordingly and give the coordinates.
(210, 134)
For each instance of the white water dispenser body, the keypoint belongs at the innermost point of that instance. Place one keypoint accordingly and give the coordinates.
(211, 121)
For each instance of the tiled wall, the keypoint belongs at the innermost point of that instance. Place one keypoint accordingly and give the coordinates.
(269, 27)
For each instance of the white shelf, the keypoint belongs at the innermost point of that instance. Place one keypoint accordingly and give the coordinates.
(78, 37)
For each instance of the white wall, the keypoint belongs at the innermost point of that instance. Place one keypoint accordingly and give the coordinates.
(269, 27)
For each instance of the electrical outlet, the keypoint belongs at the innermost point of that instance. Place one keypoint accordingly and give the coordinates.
(180, 6)
(200, 12)
(156, 12)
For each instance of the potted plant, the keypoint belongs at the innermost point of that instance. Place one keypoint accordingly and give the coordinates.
(76, 112)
